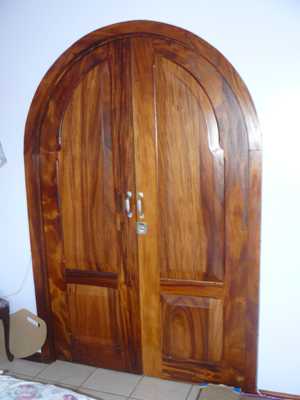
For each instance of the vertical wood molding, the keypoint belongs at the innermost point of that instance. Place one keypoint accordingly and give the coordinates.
(144, 121)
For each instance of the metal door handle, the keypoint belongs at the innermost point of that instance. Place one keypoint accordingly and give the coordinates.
(139, 204)
(127, 204)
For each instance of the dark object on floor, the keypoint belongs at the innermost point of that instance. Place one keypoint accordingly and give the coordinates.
(218, 392)
(4, 315)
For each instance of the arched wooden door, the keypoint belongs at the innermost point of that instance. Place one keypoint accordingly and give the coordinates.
(142, 154)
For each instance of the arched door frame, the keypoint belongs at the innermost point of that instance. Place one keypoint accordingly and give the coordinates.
(35, 145)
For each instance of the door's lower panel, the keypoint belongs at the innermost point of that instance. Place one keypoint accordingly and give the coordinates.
(97, 356)
(192, 372)
(192, 328)
(94, 316)
(192, 331)
(94, 334)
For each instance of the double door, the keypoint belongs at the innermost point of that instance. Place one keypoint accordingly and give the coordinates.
(136, 207)
(142, 206)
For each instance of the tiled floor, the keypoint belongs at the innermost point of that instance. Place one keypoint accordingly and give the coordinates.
(100, 383)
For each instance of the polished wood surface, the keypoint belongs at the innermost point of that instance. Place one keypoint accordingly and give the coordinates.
(86, 176)
(123, 143)
(202, 343)
(146, 107)
(144, 123)
(186, 176)
(94, 315)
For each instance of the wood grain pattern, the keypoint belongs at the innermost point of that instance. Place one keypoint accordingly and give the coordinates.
(192, 328)
(167, 115)
(38, 254)
(144, 124)
(53, 247)
(86, 152)
(186, 174)
(192, 288)
(93, 278)
(124, 170)
(94, 315)
(47, 121)
(86, 175)
(191, 372)
(254, 210)
(237, 181)
(95, 39)
(101, 357)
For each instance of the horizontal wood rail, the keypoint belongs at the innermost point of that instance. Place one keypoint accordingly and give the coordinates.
(192, 288)
(93, 278)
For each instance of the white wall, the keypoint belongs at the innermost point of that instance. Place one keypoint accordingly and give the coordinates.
(261, 38)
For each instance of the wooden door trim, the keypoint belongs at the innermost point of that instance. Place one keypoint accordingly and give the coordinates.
(32, 151)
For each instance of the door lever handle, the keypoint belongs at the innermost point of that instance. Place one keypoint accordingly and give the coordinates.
(139, 205)
(127, 204)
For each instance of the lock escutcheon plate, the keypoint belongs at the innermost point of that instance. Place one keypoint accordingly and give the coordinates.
(141, 228)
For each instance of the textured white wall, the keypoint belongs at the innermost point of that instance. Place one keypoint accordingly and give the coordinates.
(261, 38)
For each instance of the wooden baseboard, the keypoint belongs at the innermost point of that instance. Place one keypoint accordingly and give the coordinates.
(280, 395)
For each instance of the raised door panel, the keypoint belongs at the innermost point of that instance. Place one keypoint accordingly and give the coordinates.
(192, 328)
(94, 316)
(86, 176)
(191, 204)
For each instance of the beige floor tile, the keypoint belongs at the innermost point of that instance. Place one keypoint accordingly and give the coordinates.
(67, 373)
(100, 395)
(114, 382)
(59, 384)
(158, 389)
(2, 359)
(194, 392)
(23, 367)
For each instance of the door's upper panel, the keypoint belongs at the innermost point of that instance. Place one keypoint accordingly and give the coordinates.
(86, 175)
(190, 176)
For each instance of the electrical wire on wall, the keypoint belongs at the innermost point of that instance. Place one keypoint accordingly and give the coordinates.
(22, 284)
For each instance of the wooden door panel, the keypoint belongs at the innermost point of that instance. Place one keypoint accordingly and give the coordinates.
(191, 205)
(94, 315)
(192, 328)
(87, 177)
